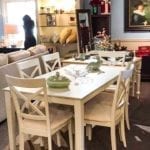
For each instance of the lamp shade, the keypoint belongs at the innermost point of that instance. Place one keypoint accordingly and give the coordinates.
(10, 29)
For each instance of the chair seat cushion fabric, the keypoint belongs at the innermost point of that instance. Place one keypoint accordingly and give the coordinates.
(111, 88)
(57, 117)
(37, 49)
(97, 110)
(15, 56)
(105, 98)
(3, 59)
(64, 35)
(72, 37)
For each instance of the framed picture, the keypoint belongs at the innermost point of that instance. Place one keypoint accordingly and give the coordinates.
(137, 15)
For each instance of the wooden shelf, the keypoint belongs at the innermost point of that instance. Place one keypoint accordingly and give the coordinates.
(101, 15)
(56, 13)
(101, 21)
(58, 26)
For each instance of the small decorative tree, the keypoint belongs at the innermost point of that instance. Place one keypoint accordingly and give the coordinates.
(104, 40)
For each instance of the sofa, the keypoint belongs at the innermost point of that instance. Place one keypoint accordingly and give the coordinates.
(8, 66)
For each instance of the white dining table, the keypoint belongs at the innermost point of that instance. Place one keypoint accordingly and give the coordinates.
(136, 87)
(81, 89)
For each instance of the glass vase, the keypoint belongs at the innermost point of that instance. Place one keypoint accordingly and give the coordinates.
(95, 9)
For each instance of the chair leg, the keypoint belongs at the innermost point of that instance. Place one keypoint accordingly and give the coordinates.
(41, 142)
(49, 142)
(113, 137)
(89, 132)
(120, 132)
(70, 135)
(58, 139)
(133, 87)
(127, 116)
(21, 141)
(123, 132)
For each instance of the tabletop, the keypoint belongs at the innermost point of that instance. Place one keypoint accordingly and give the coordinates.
(78, 88)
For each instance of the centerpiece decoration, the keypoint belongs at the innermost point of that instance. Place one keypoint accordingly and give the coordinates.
(58, 81)
(95, 66)
(104, 42)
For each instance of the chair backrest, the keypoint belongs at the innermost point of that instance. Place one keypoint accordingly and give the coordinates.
(51, 61)
(29, 68)
(122, 91)
(112, 57)
(31, 112)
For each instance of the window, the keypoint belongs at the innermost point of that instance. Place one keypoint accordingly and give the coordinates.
(15, 10)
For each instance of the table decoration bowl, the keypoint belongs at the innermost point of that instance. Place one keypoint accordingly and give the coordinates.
(58, 81)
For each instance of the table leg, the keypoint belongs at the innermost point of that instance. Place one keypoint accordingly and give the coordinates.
(79, 125)
(138, 79)
(10, 121)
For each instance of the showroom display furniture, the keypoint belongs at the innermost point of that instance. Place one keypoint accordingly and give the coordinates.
(11, 69)
(30, 69)
(112, 57)
(145, 71)
(33, 64)
(112, 89)
(74, 97)
(144, 53)
(51, 61)
(9, 50)
(34, 121)
(65, 50)
(101, 114)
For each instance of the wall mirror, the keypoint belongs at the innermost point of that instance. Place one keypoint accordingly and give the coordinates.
(84, 28)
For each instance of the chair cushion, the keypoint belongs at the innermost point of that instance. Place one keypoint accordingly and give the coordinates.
(64, 35)
(15, 56)
(105, 97)
(97, 111)
(37, 49)
(72, 37)
(55, 37)
(58, 117)
(111, 88)
(3, 59)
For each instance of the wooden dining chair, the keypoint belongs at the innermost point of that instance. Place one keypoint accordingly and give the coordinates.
(129, 85)
(29, 68)
(51, 61)
(112, 57)
(103, 114)
(32, 120)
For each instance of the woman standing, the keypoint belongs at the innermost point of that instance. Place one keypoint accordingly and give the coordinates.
(28, 28)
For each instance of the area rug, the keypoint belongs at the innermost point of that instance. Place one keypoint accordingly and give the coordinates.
(139, 111)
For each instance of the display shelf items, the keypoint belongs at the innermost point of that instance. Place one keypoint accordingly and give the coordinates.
(100, 6)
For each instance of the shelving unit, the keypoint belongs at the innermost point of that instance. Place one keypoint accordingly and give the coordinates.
(58, 20)
(101, 21)
(50, 20)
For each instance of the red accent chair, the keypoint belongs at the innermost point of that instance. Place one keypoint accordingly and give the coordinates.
(144, 52)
